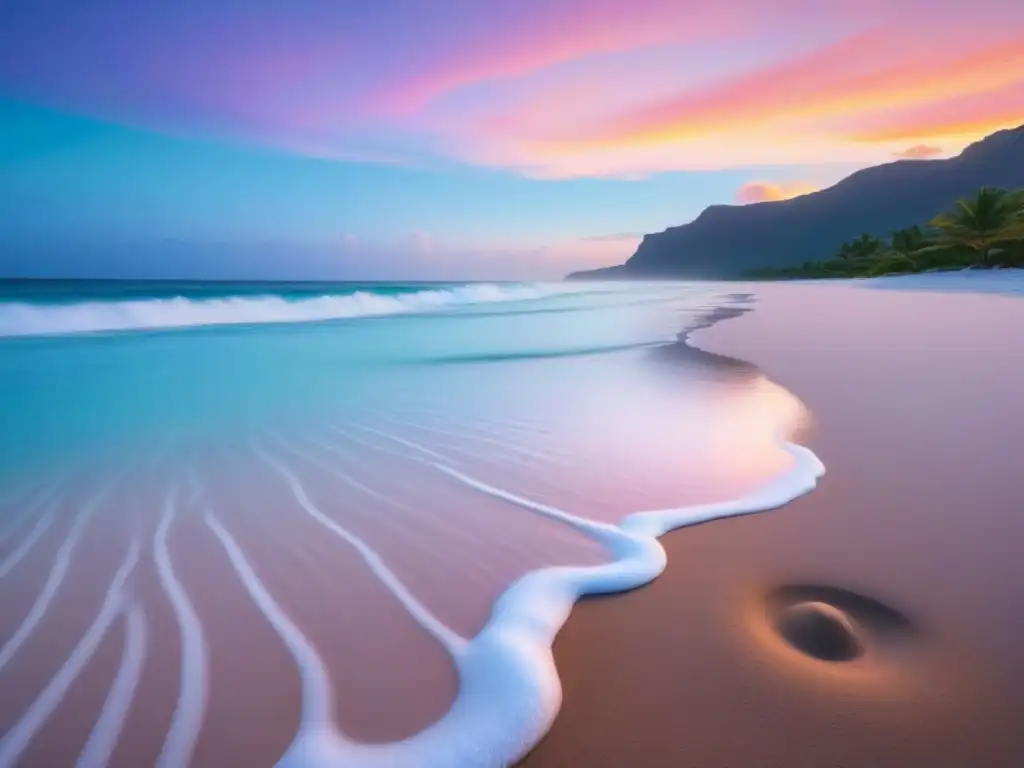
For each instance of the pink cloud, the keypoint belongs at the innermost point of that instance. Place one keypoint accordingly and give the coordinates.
(961, 114)
(538, 35)
(846, 101)
(864, 73)
(764, 191)
(919, 152)
(500, 40)
(546, 87)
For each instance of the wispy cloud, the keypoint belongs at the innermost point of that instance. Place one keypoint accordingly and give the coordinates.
(516, 39)
(851, 100)
(618, 88)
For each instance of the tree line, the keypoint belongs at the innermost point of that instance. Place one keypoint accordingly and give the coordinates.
(985, 231)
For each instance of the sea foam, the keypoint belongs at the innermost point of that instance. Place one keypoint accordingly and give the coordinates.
(509, 692)
(509, 689)
(26, 319)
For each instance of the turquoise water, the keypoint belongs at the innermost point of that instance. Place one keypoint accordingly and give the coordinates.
(356, 490)
(87, 365)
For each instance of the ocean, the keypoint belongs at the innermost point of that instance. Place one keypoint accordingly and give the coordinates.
(340, 524)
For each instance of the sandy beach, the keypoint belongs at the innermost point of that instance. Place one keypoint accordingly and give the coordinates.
(511, 384)
(914, 393)
(260, 573)
(235, 539)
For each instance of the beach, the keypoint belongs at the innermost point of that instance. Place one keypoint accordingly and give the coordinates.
(914, 401)
(385, 500)
(341, 524)
(511, 384)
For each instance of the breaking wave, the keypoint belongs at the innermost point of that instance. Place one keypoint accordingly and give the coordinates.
(26, 319)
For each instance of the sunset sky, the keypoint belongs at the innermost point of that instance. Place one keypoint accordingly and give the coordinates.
(458, 138)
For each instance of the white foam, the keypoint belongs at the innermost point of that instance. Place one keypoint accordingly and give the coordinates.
(188, 713)
(58, 571)
(25, 319)
(114, 714)
(317, 699)
(509, 688)
(21, 734)
(27, 508)
(444, 635)
(42, 526)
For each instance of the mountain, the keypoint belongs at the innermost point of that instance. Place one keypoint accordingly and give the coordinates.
(731, 240)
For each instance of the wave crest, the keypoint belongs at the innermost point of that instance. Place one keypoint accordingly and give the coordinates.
(25, 319)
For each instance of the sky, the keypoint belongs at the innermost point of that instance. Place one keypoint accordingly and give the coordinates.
(450, 139)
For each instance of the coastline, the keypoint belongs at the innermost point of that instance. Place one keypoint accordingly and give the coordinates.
(919, 432)
(717, 641)
(509, 692)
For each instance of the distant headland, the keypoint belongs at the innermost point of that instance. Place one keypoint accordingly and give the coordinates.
(728, 241)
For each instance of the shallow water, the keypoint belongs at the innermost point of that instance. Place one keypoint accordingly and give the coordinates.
(231, 513)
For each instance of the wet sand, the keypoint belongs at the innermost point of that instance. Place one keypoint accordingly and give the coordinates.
(161, 603)
(918, 418)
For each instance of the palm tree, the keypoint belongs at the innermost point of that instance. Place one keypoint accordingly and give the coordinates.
(862, 249)
(909, 240)
(984, 225)
(890, 262)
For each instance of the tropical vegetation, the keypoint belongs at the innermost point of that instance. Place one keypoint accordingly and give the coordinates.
(984, 231)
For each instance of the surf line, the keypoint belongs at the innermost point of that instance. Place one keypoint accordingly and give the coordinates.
(509, 689)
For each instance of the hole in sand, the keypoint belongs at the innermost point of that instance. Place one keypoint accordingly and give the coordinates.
(831, 623)
(820, 630)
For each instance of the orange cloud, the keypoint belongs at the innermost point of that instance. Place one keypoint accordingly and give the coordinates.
(971, 114)
(547, 87)
(765, 191)
(866, 74)
(919, 152)
(759, 95)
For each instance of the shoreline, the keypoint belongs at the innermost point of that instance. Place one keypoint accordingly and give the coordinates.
(712, 684)
(509, 689)
(716, 634)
